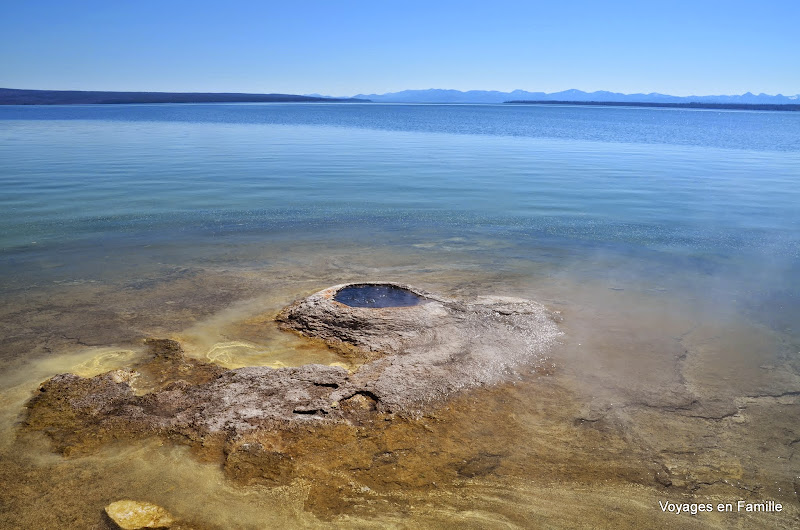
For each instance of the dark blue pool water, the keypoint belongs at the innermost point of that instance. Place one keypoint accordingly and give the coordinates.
(377, 296)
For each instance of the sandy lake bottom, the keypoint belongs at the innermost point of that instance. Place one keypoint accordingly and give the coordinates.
(652, 394)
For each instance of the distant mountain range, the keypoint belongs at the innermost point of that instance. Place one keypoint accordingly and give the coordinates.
(14, 96)
(435, 95)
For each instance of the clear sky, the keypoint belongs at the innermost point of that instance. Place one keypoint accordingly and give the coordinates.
(345, 47)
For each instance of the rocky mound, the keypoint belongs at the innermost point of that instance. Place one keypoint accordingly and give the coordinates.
(426, 351)
(421, 352)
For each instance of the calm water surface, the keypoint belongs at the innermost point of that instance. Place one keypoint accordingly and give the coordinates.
(654, 191)
(619, 216)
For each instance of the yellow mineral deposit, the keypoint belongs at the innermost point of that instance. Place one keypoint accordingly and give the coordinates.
(138, 515)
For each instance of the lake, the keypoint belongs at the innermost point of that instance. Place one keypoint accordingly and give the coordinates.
(668, 239)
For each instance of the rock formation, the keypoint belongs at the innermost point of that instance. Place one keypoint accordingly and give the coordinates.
(416, 356)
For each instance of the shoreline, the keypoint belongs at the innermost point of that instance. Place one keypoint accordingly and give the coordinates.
(13, 96)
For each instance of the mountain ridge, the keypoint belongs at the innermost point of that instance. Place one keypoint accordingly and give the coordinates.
(9, 96)
(438, 95)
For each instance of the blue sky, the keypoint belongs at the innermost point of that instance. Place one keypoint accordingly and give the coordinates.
(344, 47)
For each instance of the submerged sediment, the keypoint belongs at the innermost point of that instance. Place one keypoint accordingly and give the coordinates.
(371, 440)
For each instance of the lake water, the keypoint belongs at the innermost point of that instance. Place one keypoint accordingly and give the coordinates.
(668, 238)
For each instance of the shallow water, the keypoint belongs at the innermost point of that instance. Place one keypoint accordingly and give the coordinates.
(668, 240)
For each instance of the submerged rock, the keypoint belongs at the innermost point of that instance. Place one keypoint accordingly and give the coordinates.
(135, 515)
